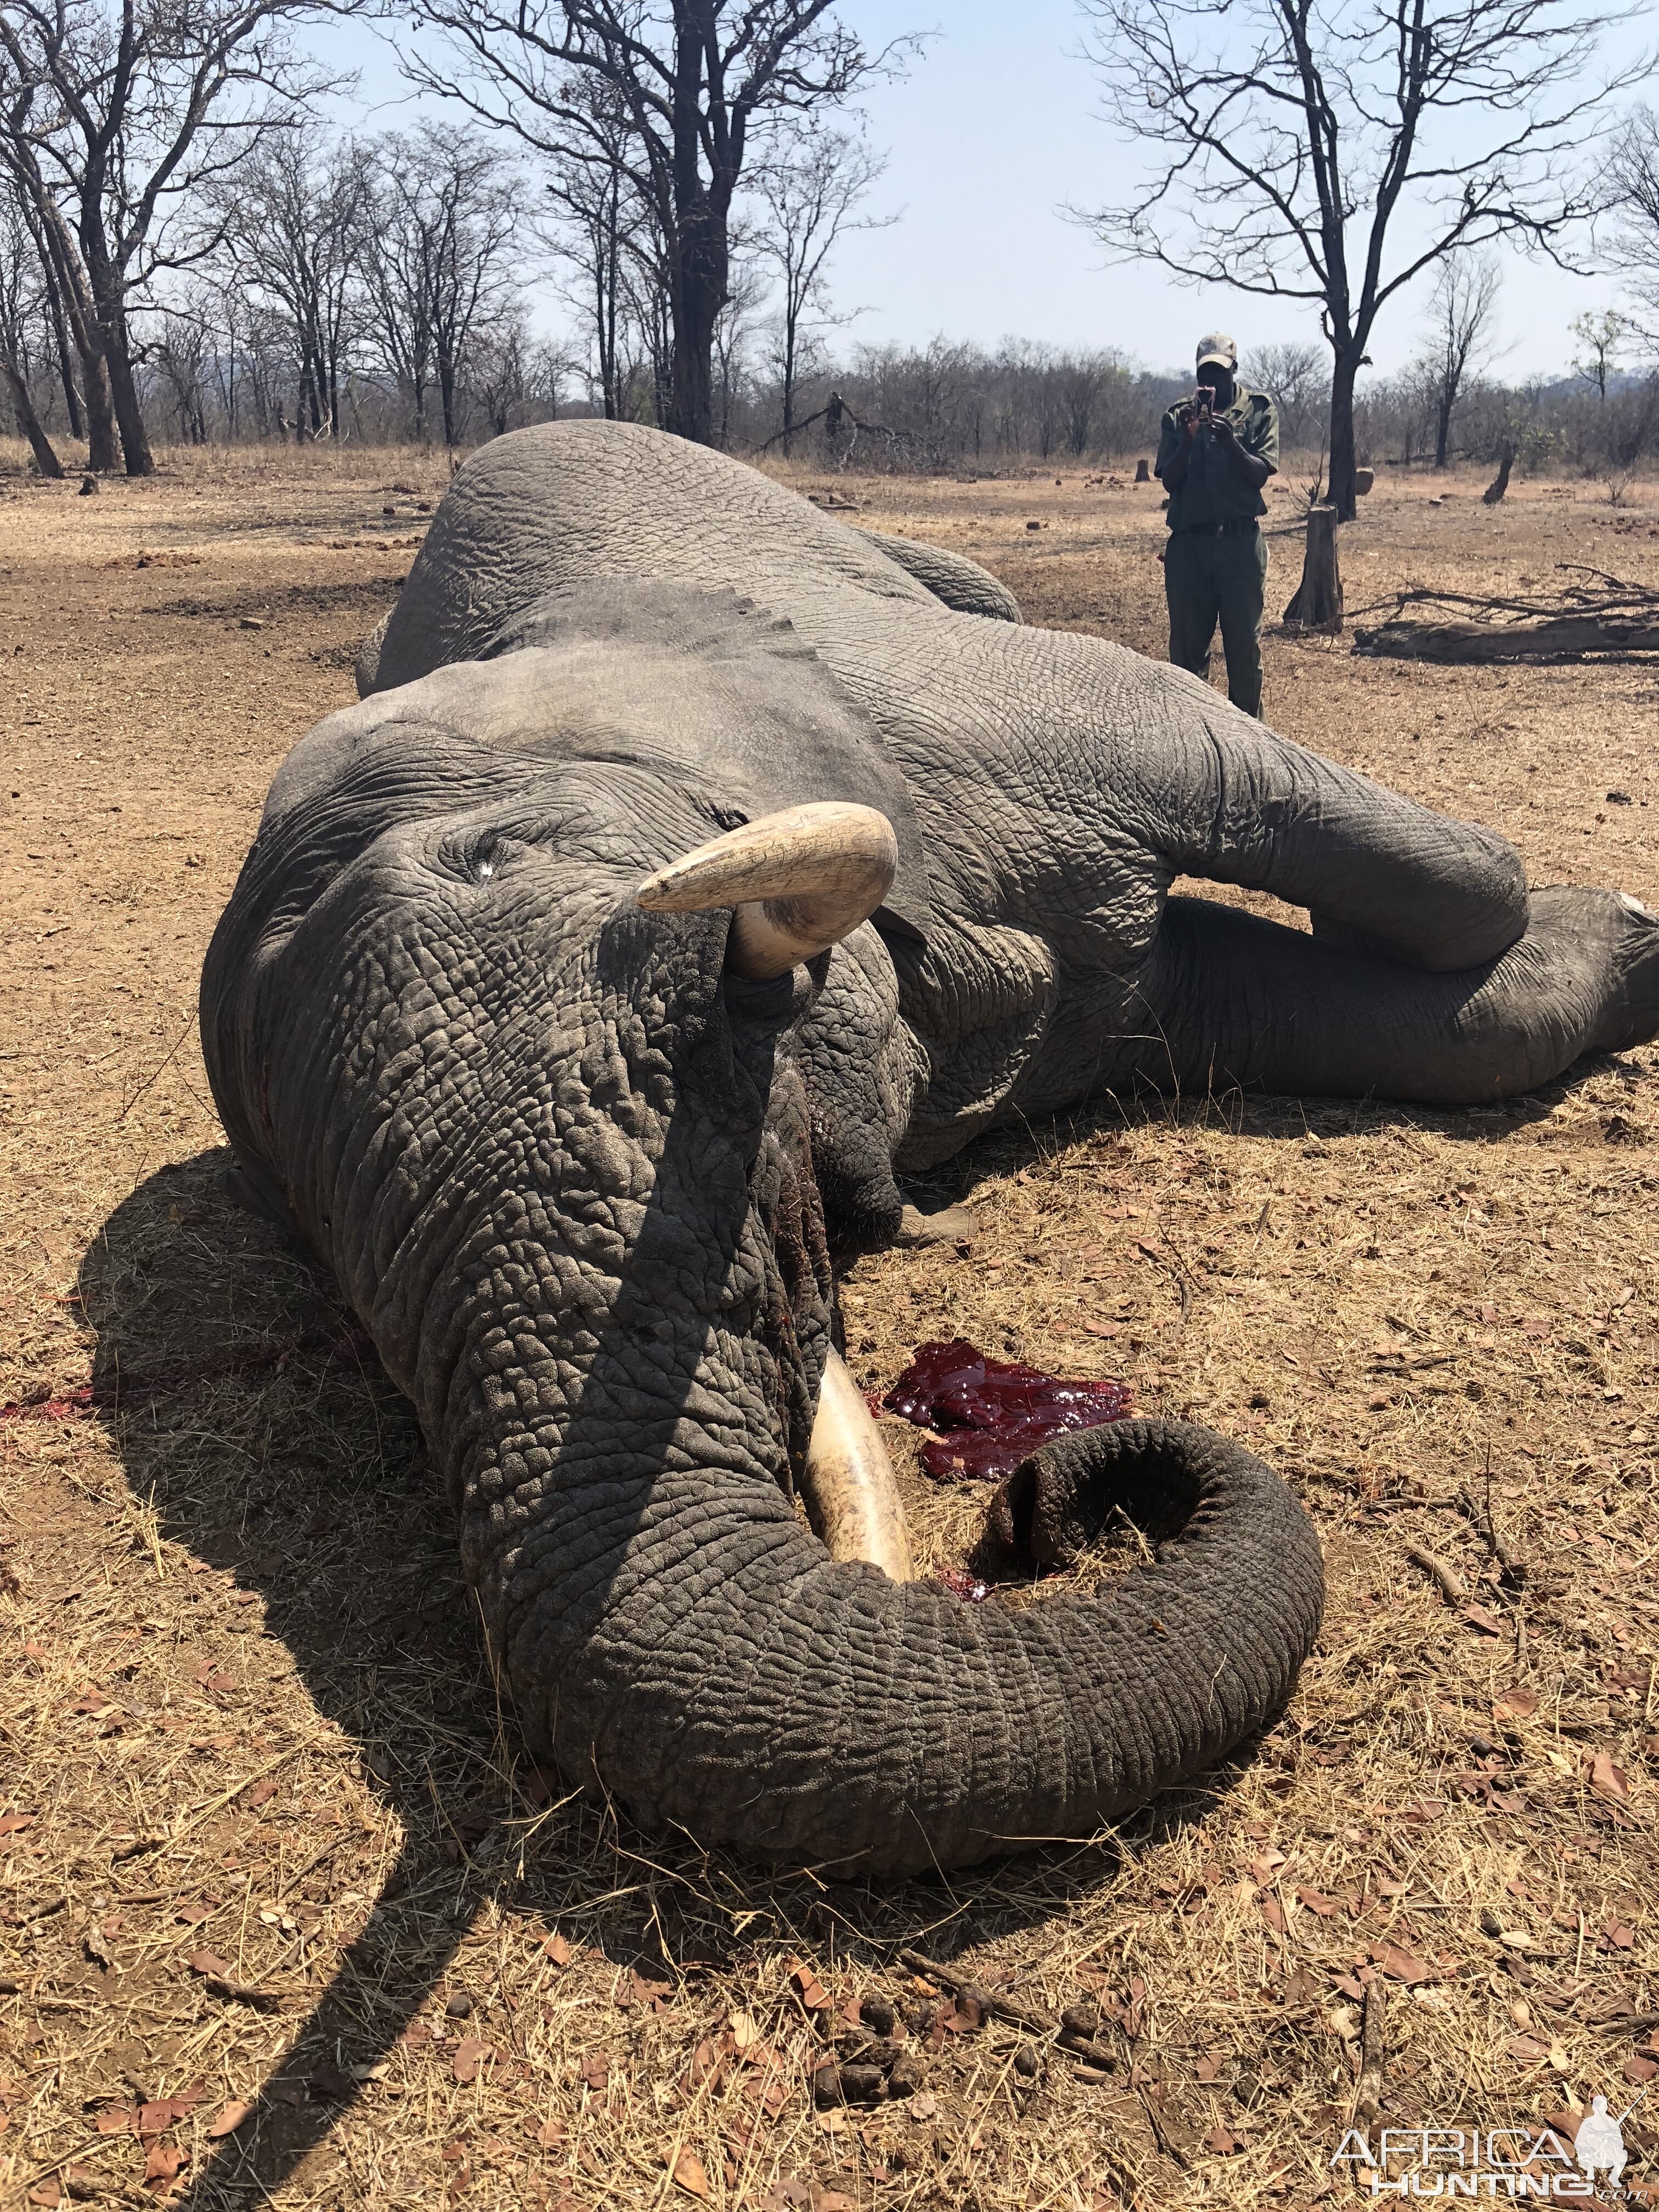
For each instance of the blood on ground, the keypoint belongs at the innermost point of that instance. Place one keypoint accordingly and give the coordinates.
(993, 1413)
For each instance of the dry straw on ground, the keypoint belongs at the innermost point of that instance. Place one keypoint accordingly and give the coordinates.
(268, 1840)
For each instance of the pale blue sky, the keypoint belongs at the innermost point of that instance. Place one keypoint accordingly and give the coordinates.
(989, 135)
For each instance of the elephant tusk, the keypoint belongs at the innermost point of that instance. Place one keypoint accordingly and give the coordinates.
(799, 881)
(852, 1500)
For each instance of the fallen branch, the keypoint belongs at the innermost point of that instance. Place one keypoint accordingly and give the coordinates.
(1450, 1581)
(1512, 1572)
(1368, 2091)
(1607, 616)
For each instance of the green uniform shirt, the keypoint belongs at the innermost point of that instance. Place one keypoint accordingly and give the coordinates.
(1213, 492)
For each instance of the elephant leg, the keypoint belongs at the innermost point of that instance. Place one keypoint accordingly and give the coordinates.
(1230, 800)
(1233, 999)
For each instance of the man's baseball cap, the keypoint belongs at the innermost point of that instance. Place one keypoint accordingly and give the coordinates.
(1217, 347)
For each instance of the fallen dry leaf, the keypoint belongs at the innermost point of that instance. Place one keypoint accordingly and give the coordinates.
(13, 1824)
(1400, 1966)
(1516, 1703)
(1318, 1902)
(556, 1949)
(807, 1987)
(689, 2171)
(1607, 1780)
(469, 2058)
(1486, 1624)
(230, 2117)
(161, 2166)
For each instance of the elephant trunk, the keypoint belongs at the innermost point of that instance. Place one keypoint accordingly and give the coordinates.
(734, 1680)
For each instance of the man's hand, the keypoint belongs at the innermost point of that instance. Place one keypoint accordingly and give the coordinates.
(1224, 430)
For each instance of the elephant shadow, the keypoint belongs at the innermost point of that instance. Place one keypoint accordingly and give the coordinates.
(253, 1418)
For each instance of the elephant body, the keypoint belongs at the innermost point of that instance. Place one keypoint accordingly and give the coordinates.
(572, 1171)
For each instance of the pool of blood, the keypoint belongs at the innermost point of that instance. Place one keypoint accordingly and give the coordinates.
(993, 1413)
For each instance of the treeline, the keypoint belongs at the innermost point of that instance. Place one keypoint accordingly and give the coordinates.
(187, 251)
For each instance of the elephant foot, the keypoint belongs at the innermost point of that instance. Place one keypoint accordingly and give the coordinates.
(1613, 941)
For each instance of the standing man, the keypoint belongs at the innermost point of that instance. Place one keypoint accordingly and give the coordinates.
(1214, 454)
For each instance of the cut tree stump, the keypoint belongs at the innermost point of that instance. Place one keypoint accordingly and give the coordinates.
(1362, 480)
(1317, 604)
(1500, 483)
(1143, 473)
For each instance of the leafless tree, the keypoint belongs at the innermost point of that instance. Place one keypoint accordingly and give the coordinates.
(1332, 155)
(113, 114)
(1298, 378)
(22, 302)
(1082, 381)
(1601, 338)
(1633, 202)
(181, 356)
(515, 381)
(1460, 327)
(700, 84)
(291, 222)
(807, 193)
(596, 218)
(440, 215)
(733, 328)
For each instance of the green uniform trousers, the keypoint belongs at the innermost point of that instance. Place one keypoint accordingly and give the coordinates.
(1219, 573)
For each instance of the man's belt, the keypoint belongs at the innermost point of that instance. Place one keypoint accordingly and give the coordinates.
(1234, 527)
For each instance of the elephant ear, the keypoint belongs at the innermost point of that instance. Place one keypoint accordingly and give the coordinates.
(701, 688)
(955, 581)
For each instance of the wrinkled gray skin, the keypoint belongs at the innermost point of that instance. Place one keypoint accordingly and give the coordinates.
(574, 1175)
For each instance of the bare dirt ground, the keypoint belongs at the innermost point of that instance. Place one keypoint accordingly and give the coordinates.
(266, 1841)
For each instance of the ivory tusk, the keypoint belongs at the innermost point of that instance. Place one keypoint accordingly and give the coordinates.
(798, 882)
(852, 1500)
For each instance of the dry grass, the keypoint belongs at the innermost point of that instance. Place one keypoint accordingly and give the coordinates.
(243, 1711)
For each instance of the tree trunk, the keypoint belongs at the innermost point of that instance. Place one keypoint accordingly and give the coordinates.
(788, 383)
(1343, 370)
(447, 391)
(61, 340)
(698, 294)
(1443, 415)
(124, 392)
(1500, 483)
(691, 399)
(1143, 473)
(1318, 601)
(29, 422)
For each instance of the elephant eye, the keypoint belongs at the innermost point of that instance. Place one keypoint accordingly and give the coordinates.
(479, 857)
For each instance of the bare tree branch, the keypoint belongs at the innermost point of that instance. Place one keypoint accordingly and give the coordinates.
(1286, 146)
